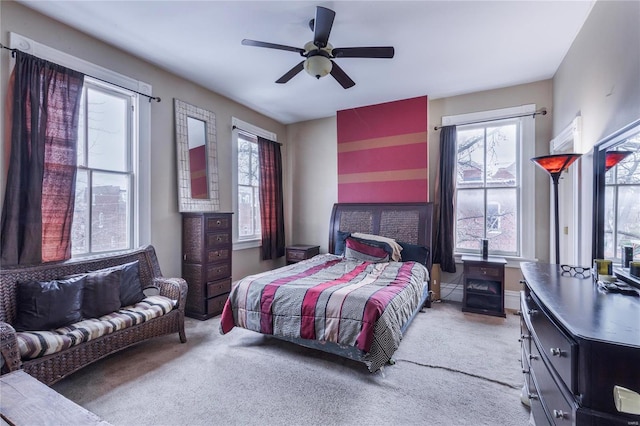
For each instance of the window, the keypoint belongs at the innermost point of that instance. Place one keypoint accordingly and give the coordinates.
(124, 182)
(103, 214)
(494, 192)
(246, 220)
(248, 188)
(622, 210)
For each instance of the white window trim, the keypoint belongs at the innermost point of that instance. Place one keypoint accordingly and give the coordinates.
(239, 124)
(142, 153)
(527, 151)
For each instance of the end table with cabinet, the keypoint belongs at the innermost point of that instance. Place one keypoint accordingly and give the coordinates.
(483, 288)
(206, 262)
(298, 252)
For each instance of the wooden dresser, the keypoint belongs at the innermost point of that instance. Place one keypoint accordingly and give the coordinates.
(578, 344)
(206, 262)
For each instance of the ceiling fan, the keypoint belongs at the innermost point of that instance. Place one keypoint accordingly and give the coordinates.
(319, 53)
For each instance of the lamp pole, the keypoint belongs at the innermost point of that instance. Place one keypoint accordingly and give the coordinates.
(555, 177)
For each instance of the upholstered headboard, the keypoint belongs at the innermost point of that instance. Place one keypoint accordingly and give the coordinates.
(406, 222)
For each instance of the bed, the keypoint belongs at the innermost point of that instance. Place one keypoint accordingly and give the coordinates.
(357, 303)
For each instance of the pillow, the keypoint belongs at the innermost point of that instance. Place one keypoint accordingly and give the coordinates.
(395, 255)
(367, 250)
(49, 304)
(340, 243)
(415, 253)
(130, 287)
(129, 278)
(101, 293)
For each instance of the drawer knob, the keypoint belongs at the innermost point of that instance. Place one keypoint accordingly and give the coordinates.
(556, 352)
(559, 414)
(218, 222)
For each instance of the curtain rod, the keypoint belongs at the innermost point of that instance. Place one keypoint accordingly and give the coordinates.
(542, 111)
(151, 98)
(234, 127)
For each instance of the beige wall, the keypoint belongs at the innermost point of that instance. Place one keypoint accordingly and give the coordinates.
(599, 79)
(165, 219)
(314, 179)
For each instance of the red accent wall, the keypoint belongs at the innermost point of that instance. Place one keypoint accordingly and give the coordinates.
(382, 152)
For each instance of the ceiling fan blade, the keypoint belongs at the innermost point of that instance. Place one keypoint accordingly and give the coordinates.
(322, 26)
(341, 77)
(255, 43)
(291, 73)
(363, 52)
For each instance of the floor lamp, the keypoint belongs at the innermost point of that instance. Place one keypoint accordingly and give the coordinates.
(555, 165)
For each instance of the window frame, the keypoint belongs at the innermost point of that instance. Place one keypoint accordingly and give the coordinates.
(239, 126)
(140, 122)
(526, 190)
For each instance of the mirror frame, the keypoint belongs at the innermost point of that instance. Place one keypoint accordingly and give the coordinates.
(186, 203)
(599, 152)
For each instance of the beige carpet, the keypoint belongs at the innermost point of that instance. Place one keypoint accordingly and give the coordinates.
(452, 368)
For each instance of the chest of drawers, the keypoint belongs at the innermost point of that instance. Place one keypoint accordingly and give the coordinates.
(578, 345)
(206, 262)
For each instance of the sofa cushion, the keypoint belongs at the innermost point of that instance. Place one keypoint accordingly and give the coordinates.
(34, 344)
(130, 286)
(48, 304)
(101, 293)
(129, 280)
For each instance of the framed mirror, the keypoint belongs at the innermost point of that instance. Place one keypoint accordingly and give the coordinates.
(616, 210)
(197, 158)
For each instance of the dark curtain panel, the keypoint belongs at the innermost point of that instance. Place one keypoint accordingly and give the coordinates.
(39, 197)
(444, 203)
(271, 199)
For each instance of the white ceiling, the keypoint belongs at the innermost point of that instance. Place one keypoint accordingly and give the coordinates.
(442, 48)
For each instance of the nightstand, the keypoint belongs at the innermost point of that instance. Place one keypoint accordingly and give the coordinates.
(483, 285)
(300, 252)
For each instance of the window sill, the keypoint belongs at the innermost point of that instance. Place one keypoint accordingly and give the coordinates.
(247, 244)
(512, 261)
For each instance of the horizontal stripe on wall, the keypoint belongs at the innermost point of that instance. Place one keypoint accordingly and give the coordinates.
(386, 176)
(396, 140)
(381, 120)
(383, 192)
(412, 156)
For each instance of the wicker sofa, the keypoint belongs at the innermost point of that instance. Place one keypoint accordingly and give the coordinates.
(53, 367)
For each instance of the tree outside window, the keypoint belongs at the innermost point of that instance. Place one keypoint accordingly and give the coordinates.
(488, 187)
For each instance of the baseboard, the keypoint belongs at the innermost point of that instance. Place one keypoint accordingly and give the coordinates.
(453, 292)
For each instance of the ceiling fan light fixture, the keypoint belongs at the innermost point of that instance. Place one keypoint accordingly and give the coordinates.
(318, 66)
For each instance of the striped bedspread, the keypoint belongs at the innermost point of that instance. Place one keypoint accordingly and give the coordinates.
(330, 299)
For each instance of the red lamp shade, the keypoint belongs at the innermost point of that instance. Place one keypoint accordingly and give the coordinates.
(555, 164)
(614, 157)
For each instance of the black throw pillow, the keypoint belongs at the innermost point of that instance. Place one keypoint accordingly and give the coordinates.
(415, 253)
(130, 287)
(101, 293)
(48, 305)
(340, 243)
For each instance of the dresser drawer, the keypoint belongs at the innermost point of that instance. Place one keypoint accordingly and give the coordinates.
(559, 411)
(215, 239)
(473, 271)
(218, 271)
(216, 304)
(217, 223)
(218, 255)
(217, 288)
(558, 348)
